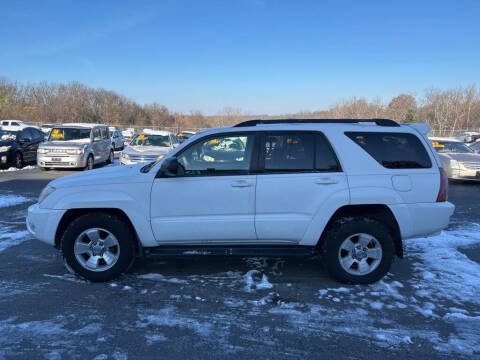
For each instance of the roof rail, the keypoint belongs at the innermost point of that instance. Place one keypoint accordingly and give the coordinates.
(379, 122)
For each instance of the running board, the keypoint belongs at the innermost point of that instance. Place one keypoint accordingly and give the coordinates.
(222, 250)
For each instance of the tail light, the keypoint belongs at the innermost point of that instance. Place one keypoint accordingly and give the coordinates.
(443, 192)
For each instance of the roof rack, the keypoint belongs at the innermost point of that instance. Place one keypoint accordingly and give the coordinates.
(379, 122)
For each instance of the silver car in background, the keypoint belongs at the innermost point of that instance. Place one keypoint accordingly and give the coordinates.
(148, 146)
(459, 161)
(118, 141)
(75, 146)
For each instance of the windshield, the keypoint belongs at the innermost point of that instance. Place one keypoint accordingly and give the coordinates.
(151, 140)
(69, 134)
(451, 147)
(8, 135)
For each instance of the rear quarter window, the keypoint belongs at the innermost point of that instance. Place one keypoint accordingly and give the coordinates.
(393, 150)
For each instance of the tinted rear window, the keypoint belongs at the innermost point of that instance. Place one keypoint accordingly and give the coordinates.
(393, 150)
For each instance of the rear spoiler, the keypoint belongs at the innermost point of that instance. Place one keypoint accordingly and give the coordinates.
(423, 129)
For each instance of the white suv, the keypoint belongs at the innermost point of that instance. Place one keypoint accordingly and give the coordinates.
(350, 190)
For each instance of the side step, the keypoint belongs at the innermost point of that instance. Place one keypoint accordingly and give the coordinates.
(222, 250)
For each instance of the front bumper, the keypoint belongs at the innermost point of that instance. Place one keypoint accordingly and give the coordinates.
(6, 159)
(61, 161)
(124, 161)
(43, 223)
(465, 174)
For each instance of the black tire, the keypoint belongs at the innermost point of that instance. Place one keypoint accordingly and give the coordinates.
(111, 157)
(90, 163)
(112, 223)
(342, 229)
(19, 160)
(43, 168)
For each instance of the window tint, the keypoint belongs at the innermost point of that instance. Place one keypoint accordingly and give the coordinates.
(27, 134)
(222, 155)
(476, 146)
(105, 133)
(289, 152)
(14, 123)
(38, 134)
(393, 150)
(325, 159)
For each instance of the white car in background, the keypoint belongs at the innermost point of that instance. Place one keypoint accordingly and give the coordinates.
(148, 146)
(129, 133)
(13, 125)
(118, 140)
(468, 136)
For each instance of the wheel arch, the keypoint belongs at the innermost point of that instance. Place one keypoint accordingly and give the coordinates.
(72, 214)
(378, 212)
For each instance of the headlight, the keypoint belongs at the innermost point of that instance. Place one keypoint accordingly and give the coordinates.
(454, 164)
(42, 150)
(125, 156)
(74, 151)
(45, 193)
(5, 148)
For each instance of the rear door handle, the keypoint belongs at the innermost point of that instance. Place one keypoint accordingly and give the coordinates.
(326, 181)
(241, 183)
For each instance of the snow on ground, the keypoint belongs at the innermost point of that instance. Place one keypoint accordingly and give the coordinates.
(28, 167)
(441, 275)
(442, 292)
(12, 200)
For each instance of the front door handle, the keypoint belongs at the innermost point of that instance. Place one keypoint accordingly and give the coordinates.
(326, 181)
(241, 183)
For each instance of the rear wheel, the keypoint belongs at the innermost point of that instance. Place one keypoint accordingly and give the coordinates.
(18, 160)
(357, 250)
(98, 246)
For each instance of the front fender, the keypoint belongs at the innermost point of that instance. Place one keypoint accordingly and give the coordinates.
(132, 200)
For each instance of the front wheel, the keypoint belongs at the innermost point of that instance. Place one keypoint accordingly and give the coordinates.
(110, 157)
(98, 246)
(43, 168)
(18, 160)
(89, 165)
(357, 250)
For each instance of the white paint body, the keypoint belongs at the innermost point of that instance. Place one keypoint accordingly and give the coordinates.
(279, 209)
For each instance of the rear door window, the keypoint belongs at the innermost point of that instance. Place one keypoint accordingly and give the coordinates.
(298, 152)
(393, 150)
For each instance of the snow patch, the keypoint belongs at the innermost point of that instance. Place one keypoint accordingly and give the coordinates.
(160, 277)
(12, 200)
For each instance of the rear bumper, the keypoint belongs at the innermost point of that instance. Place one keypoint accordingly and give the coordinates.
(422, 219)
(43, 223)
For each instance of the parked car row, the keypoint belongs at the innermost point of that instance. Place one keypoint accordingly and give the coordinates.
(81, 145)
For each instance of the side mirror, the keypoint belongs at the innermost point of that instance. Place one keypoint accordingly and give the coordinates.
(169, 167)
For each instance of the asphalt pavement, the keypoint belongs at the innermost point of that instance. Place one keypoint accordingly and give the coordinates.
(239, 308)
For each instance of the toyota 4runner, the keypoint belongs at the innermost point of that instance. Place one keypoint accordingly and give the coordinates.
(350, 190)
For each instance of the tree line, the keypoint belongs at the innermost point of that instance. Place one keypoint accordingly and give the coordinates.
(446, 111)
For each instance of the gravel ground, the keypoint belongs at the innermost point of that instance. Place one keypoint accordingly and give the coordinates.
(209, 308)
